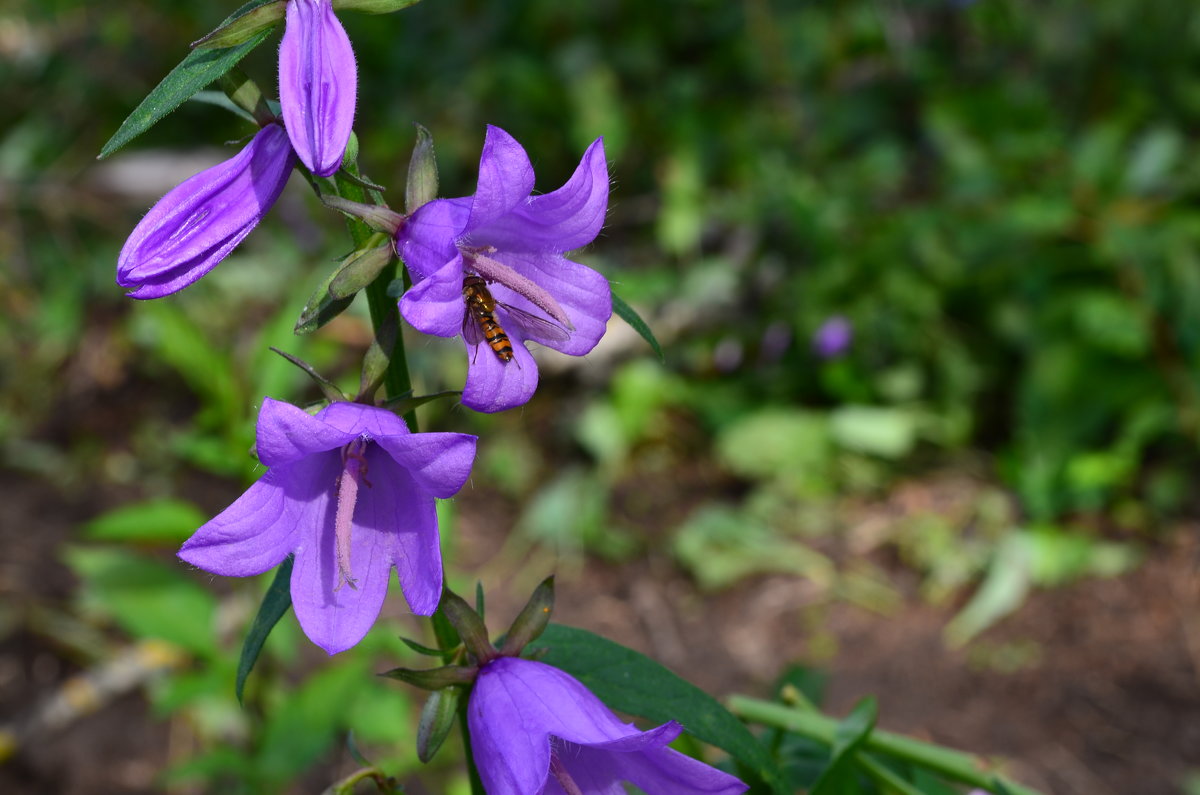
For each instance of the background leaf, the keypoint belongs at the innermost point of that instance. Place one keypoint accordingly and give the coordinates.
(275, 603)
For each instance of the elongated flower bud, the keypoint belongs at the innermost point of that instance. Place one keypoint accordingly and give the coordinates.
(202, 219)
(318, 84)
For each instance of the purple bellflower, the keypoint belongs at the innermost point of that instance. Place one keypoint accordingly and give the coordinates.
(491, 268)
(318, 84)
(202, 219)
(536, 730)
(833, 338)
(351, 492)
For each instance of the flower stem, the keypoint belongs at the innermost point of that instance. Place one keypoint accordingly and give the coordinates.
(951, 764)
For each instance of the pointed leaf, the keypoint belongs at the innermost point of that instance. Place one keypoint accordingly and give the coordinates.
(327, 387)
(480, 604)
(434, 678)
(631, 682)
(627, 313)
(195, 72)
(420, 648)
(321, 308)
(437, 720)
(246, 22)
(275, 603)
(532, 621)
(849, 738)
(422, 173)
(468, 625)
(373, 6)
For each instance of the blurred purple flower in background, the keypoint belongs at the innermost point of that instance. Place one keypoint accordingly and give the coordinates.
(491, 268)
(201, 220)
(318, 84)
(536, 730)
(351, 492)
(833, 338)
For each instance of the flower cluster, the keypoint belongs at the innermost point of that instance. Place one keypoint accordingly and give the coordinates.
(349, 492)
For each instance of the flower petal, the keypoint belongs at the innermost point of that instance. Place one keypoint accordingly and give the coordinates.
(435, 305)
(202, 219)
(512, 758)
(439, 463)
(286, 433)
(405, 518)
(564, 220)
(318, 84)
(493, 385)
(358, 419)
(505, 179)
(661, 770)
(267, 522)
(427, 239)
(582, 293)
(337, 618)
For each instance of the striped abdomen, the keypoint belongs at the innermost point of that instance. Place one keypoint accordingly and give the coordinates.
(482, 308)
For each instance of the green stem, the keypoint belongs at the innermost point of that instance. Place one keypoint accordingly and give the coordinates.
(954, 765)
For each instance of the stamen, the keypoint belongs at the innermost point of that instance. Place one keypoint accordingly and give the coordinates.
(559, 771)
(498, 272)
(354, 469)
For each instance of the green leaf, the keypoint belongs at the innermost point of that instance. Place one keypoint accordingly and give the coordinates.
(322, 307)
(275, 603)
(164, 521)
(195, 72)
(146, 598)
(627, 313)
(437, 720)
(246, 22)
(373, 6)
(631, 682)
(851, 733)
(422, 186)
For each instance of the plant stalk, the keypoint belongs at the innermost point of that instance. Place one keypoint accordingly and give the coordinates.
(951, 764)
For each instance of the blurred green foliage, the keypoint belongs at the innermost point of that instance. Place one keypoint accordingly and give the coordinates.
(1000, 195)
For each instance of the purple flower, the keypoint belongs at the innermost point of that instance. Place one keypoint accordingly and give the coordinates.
(318, 84)
(201, 220)
(535, 730)
(833, 337)
(491, 268)
(351, 492)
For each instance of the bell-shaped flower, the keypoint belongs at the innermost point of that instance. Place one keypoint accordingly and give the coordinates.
(491, 267)
(351, 493)
(535, 730)
(318, 84)
(202, 219)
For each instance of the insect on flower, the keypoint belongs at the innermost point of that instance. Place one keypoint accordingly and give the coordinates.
(480, 323)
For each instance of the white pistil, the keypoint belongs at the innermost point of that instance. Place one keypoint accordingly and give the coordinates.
(559, 771)
(354, 469)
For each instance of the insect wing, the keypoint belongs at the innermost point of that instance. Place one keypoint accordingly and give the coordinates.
(534, 327)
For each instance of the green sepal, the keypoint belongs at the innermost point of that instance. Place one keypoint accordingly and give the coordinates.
(248, 21)
(422, 184)
(361, 267)
(327, 387)
(435, 678)
(532, 621)
(275, 603)
(403, 404)
(321, 308)
(376, 216)
(480, 602)
(245, 94)
(421, 648)
(194, 73)
(376, 361)
(373, 6)
(437, 720)
(630, 316)
(468, 625)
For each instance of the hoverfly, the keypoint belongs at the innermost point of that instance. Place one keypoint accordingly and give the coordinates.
(480, 323)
